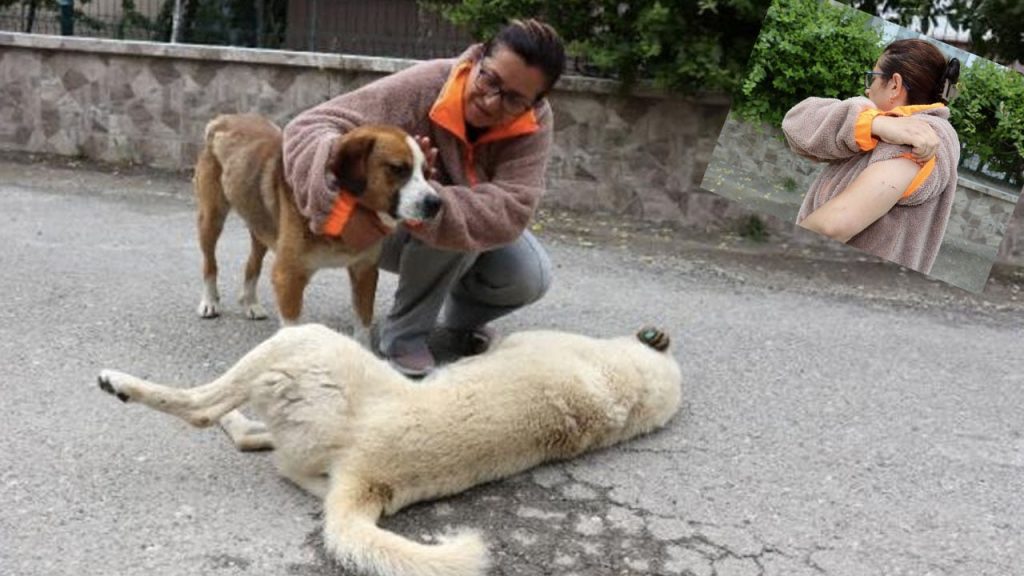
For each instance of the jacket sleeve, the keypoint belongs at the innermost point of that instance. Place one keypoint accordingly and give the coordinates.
(403, 99)
(490, 214)
(826, 129)
(933, 177)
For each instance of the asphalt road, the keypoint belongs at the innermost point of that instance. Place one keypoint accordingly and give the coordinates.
(841, 417)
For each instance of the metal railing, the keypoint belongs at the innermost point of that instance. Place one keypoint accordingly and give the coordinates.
(396, 28)
(125, 19)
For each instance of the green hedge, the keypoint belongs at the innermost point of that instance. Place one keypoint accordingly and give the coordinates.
(806, 48)
(989, 118)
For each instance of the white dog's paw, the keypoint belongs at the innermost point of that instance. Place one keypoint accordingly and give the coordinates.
(208, 308)
(254, 311)
(108, 381)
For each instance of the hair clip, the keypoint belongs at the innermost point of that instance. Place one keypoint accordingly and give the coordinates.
(949, 81)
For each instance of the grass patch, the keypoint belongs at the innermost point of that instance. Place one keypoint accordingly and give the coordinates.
(753, 228)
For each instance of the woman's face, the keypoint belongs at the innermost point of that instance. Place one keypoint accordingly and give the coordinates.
(500, 88)
(884, 90)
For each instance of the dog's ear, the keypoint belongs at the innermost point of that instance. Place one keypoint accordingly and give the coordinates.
(347, 162)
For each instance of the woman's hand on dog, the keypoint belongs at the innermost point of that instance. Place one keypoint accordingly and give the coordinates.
(430, 166)
(912, 132)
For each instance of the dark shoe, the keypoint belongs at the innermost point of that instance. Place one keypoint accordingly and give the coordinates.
(413, 360)
(467, 342)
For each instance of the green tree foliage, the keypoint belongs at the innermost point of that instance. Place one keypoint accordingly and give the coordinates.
(996, 26)
(989, 118)
(806, 48)
(683, 45)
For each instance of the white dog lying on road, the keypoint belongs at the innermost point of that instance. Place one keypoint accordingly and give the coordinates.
(350, 429)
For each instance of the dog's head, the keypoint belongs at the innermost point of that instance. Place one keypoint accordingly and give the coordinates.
(382, 166)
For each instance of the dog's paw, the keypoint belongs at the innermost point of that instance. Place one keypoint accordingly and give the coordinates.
(254, 311)
(208, 308)
(107, 382)
(654, 338)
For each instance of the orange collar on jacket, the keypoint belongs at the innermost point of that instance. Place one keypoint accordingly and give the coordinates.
(447, 111)
(913, 109)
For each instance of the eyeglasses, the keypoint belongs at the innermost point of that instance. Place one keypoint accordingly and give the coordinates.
(491, 85)
(869, 78)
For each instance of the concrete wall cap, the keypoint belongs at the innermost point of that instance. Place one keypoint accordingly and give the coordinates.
(317, 60)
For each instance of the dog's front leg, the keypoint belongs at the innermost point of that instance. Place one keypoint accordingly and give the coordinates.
(363, 277)
(290, 280)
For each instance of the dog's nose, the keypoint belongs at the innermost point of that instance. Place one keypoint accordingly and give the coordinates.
(431, 206)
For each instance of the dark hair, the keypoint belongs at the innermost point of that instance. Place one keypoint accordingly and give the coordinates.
(536, 43)
(927, 76)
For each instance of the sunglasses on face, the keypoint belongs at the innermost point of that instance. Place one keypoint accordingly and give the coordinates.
(490, 84)
(869, 78)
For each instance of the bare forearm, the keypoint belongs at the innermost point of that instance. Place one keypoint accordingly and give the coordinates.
(822, 224)
(869, 197)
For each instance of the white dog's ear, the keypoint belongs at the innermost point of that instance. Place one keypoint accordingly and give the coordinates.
(347, 163)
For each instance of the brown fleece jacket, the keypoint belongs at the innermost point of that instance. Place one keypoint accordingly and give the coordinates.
(838, 132)
(489, 190)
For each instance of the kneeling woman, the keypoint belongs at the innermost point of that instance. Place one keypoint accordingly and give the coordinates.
(891, 178)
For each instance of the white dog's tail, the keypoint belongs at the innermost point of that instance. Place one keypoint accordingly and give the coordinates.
(351, 534)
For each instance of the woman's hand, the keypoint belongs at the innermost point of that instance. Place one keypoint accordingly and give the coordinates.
(912, 132)
(430, 166)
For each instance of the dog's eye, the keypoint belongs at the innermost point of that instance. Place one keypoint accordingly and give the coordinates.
(400, 170)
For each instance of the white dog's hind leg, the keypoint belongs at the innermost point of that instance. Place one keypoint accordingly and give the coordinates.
(351, 510)
(200, 406)
(247, 435)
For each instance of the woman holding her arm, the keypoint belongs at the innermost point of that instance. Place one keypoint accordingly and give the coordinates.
(891, 178)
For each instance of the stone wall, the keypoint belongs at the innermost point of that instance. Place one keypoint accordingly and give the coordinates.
(147, 103)
(753, 166)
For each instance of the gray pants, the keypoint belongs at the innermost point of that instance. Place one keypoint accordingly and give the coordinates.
(474, 288)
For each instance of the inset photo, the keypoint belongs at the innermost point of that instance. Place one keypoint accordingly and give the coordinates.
(877, 136)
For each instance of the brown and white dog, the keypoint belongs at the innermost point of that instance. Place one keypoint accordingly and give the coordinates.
(241, 167)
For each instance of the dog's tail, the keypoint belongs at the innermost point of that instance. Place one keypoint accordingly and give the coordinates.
(351, 534)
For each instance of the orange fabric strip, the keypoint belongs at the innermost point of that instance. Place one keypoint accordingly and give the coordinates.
(523, 124)
(913, 109)
(922, 175)
(862, 129)
(447, 109)
(340, 214)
